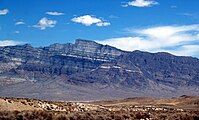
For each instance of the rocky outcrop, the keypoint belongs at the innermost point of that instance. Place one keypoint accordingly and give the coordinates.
(84, 48)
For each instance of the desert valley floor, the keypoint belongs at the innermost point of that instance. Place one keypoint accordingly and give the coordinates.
(139, 108)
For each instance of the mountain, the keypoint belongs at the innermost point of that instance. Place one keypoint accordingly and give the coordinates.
(87, 70)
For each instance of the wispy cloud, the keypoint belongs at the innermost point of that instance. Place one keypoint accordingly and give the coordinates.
(17, 32)
(186, 50)
(100, 24)
(113, 17)
(44, 23)
(179, 40)
(4, 12)
(9, 43)
(193, 16)
(174, 6)
(20, 23)
(186, 14)
(89, 20)
(54, 13)
(140, 3)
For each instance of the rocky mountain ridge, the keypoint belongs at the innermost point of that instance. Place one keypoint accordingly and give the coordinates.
(87, 70)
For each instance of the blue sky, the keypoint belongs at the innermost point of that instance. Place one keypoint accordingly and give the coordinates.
(148, 25)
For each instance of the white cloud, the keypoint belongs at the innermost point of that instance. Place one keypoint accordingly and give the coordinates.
(103, 24)
(8, 43)
(16, 32)
(44, 23)
(20, 23)
(54, 13)
(179, 40)
(186, 50)
(4, 12)
(89, 20)
(141, 3)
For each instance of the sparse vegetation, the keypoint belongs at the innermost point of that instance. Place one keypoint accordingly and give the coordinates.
(102, 110)
(96, 115)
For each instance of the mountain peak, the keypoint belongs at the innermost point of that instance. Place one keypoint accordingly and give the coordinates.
(79, 41)
(85, 44)
(94, 48)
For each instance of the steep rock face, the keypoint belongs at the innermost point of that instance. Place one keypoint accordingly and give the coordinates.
(139, 69)
(85, 48)
(95, 49)
(164, 68)
(58, 58)
(88, 69)
(113, 73)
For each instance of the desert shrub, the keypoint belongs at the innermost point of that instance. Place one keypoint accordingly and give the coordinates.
(141, 115)
(98, 115)
(9, 101)
(23, 102)
(31, 104)
(4, 116)
(19, 117)
(28, 100)
(187, 116)
(125, 116)
(61, 117)
(162, 116)
(37, 115)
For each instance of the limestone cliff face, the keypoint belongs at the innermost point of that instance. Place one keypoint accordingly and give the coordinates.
(93, 48)
(85, 48)
(58, 59)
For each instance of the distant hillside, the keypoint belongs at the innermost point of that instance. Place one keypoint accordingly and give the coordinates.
(87, 70)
